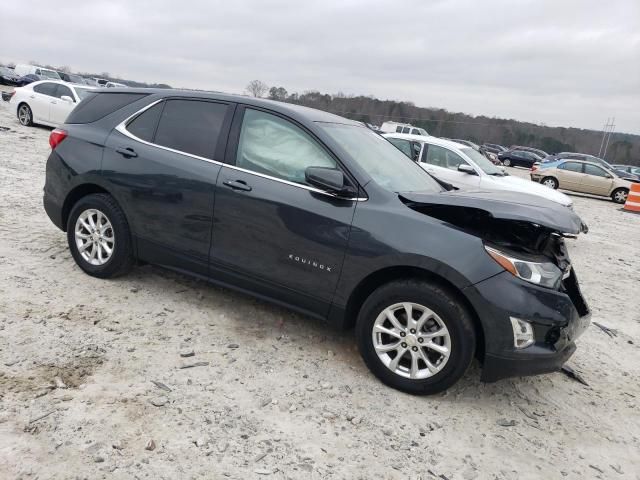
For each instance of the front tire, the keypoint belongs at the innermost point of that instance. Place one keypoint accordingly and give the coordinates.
(506, 162)
(620, 195)
(550, 182)
(415, 336)
(99, 237)
(25, 115)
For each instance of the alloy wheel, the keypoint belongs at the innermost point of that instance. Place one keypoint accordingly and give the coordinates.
(549, 182)
(24, 115)
(94, 237)
(411, 340)
(506, 162)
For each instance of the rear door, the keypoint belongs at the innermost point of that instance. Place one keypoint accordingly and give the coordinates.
(273, 233)
(40, 100)
(596, 180)
(443, 164)
(569, 175)
(162, 166)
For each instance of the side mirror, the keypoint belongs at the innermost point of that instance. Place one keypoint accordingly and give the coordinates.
(463, 167)
(329, 179)
(66, 98)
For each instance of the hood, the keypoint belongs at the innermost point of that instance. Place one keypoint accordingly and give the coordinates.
(504, 205)
(511, 182)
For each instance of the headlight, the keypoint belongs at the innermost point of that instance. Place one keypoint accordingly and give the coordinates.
(545, 274)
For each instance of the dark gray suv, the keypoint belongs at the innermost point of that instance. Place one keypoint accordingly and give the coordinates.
(320, 214)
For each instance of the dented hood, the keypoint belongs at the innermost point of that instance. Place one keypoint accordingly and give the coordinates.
(504, 205)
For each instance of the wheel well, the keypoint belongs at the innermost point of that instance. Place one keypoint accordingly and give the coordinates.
(75, 195)
(549, 176)
(386, 275)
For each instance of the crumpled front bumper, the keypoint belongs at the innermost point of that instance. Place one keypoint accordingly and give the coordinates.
(558, 318)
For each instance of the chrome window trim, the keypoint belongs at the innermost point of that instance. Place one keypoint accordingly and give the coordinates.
(122, 128)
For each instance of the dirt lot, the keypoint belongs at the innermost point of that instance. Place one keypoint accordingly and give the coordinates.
(93, 381)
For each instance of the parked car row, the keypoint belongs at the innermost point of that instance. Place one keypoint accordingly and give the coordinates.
(47, 102)
(320, 214)
(583, 177)
(23, 74)
(466, 168)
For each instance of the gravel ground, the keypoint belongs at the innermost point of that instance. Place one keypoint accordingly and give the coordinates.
(94, 384)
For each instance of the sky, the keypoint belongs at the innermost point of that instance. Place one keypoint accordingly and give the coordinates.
(554, 62)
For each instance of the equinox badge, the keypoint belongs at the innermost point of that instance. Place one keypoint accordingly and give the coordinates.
(312, 263)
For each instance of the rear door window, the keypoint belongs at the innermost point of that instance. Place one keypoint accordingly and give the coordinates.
(191, 126)
(46, 88)
(144, 125)
(571, 166)
(406, 130)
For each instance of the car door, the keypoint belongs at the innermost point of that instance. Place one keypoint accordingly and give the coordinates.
(596, 180)
(273, 233)
(167, 158)
(60, 109)
(40, 100)
(443, 164)
(569, 175)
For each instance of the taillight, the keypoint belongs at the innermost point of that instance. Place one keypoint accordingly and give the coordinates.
(56, 138)
(534, 167)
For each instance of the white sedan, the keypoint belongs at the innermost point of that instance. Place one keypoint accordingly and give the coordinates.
(47, 102)
(465, 168)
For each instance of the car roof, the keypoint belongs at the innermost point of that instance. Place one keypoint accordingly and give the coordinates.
(292, 110)
(431, 140)
(62, 82)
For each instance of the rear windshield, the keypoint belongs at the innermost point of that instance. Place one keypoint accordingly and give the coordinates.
(98, 105)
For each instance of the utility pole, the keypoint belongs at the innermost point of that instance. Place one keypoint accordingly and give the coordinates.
(612, 128)
(604, 134)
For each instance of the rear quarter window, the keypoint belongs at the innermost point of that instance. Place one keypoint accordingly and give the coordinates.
(98, 105)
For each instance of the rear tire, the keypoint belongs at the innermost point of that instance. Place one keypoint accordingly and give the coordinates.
(383, 323)
(550, 182)
(619, 195)
(506, 162)
(99, 237)
(25, 115)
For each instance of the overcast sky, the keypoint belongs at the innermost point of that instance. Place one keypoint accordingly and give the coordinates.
(559, 62)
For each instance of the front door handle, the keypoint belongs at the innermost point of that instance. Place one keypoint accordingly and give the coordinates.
(237, 185)
(127, 152)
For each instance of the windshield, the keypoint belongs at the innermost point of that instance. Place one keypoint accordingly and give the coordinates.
(49, 74)
(75, 78)
(83, 92)
(387, 165)
(483, 162)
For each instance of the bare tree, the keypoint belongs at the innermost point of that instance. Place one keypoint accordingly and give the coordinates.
(64, 68)
(257, 88)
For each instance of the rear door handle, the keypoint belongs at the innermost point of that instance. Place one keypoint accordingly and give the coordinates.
(127, 152)
(237, 185)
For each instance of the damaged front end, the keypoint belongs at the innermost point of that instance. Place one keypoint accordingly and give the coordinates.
(537, 316)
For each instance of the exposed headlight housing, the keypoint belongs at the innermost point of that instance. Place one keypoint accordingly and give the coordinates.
(545, 274)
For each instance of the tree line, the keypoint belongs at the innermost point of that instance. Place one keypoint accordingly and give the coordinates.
(622, 147)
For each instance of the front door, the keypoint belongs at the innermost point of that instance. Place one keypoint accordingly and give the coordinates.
(40, 100)
(60, 109)
(273, 233)
(443, 164)
(596, 180)
(162, 167)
